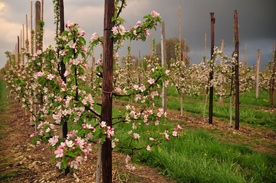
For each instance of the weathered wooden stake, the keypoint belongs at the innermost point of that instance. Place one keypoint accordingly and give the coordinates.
(221, 76)
(37, 26)
(27, 35)
(211, 74)
(18, 52)
(163, 53)
(180, 30)
(258, 72)
(107, 87)
(237, 85)
(272, 80)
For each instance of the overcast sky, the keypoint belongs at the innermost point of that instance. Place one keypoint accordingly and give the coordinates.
(257, 25)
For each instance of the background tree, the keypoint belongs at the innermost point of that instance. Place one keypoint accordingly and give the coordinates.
(170, 50)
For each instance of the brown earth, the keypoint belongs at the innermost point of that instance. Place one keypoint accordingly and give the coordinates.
(22, 162)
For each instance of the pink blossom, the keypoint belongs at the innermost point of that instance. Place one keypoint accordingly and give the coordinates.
(70, 24)
(57, 118)
(74, 164)
(66, 73)
(136, 136)
(109, 132)
(38, 74)
(59, 152)
(94, 37)
(148, 148)
(54, 140)
(166, 135)
(58, 164)
(50, 76)
(154, 14)
(142, 88)
(151, 139)
(39, 52)
(69, 143)
(151, 81)
(114, 142)
(103, 124)
(127, 164)
(179, 127)
(119, 30)
(119, 90)
(115, 30)
(135, 87)
(79, 142)
(82, 32)
(160, 112)
(175, 133)
(138, 23)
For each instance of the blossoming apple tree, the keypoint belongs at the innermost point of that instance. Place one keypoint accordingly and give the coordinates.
(71, 102)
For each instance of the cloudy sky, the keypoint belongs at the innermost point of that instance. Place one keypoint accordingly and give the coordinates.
(257, 25)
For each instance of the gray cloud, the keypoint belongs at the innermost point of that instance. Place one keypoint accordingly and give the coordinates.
(257, 28)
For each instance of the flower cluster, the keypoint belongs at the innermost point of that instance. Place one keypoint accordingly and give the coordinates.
(72, 152)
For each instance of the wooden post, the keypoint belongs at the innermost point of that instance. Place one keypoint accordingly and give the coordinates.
(179, 31)
(163, 54)
(37, 26)
(221, 75)
(107, 87)
(237, 89)
(63, 69)
(244, 56)
(258, 72)
(32, 31)
(211, 74)
(186, 61)
(23, 44)
(18, 52)
(150, 36)
(272, 80)
(42, 10)
(27, 35)
(205, 42)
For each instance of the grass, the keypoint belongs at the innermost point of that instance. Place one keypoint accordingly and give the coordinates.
(251, 109)
(3, 94)
(200, 157)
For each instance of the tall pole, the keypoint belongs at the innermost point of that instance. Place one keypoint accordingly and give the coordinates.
(258, 72)
(37, 25)
(163, 53)
(211, 74)
(237, 85)
(179, 30)
(27, 35)
(205, 43)
(62, 68)
(221, 63)
(18, 52)
(32, 41)
(107, 87)
(42, 10)
(244, 56)
(23, 43)
(272, 80)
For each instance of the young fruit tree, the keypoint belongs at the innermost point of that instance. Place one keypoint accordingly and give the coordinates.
(59, 75)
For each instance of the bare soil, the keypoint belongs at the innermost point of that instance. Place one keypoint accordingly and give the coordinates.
(20, 161)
